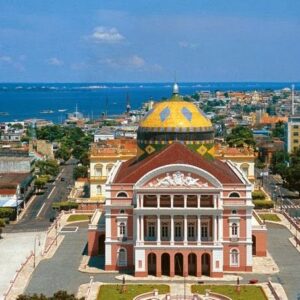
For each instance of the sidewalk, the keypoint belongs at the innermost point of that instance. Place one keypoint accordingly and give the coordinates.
(20, 275)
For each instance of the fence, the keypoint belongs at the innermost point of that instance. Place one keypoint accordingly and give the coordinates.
(273, 291)
(18, 271)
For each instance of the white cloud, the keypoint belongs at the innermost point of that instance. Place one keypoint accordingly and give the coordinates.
(188, 45)
(103, 34)
(54, 61)
(134, 62)
(5, 59)
(131, 62)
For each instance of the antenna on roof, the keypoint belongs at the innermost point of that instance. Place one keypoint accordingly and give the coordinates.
(293, 99)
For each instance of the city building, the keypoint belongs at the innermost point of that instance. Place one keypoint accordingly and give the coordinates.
(103, 156)
(176, 209)
(292, 134)
(243, 157)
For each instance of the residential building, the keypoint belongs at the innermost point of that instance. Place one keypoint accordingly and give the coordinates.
(292, 134)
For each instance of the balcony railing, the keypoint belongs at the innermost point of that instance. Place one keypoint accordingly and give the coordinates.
(98, 178)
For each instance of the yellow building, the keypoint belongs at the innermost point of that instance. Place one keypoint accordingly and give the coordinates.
(243, 158)
(292, 134)
(103, 157)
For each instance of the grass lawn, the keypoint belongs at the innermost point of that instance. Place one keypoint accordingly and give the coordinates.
(247, 292)
(269, 217)
(73, 218)
(113, 291)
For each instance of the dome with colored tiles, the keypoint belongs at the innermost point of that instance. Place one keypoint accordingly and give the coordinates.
(176, 120)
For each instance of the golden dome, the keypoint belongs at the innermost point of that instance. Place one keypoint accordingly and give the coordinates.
(176, 113)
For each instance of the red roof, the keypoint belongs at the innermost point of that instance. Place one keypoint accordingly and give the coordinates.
(7, 191)
(132, 170)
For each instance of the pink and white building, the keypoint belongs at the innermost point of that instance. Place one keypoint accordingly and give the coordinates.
(177, 213)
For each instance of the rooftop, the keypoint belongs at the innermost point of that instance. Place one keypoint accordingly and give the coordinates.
(9, 180)
(132, 170)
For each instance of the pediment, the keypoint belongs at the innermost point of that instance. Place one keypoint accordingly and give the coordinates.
(178, 179)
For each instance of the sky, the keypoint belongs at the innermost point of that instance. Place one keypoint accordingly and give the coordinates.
(149, 40)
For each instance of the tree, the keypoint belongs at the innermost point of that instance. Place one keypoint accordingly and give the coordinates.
(80, 172)
(63, 153)
(60, 295)
(48, 167)
(292, 175)
(278, 131)
(279, 162)
(40, 182)
(239, 136)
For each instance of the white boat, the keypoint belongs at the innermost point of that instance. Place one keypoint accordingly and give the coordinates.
(47, 111)
(62, 110)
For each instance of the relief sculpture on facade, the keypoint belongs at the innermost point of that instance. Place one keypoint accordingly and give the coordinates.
(178, 179)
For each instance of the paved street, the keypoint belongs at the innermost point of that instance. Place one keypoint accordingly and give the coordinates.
(62, 270)
(40, 211)
(287, 258)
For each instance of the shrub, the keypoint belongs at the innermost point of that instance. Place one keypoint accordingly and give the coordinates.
(263, 204)
(2, 223)
(258, 195)
(65, 205)
(7, 213)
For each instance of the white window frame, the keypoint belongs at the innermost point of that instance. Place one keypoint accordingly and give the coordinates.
(237, 222)
(234, 260)
(122, 263)
(122, 229)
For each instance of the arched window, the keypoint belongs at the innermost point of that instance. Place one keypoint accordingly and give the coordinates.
(245, 169)
(99, 189)
(233, 211)
(234, 229)
(234, 257)
(122, 257)
(234, 195)
(122, 229)
(122, 211)
(108, 169)
(122, 195)
(98, 170)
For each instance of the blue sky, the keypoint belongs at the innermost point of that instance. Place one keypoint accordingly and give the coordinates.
(149, 40)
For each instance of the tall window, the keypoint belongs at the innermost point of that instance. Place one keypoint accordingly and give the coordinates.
(98, 170)
(122, 257)
(178, 230)
(234, 229)
(234, 257)
(99, 190)
(204, 231)
(164, 231)
(151, 230)
(122, 229)
(191, 230)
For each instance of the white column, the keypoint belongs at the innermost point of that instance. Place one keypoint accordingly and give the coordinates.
(220, 228)
(215, 201)
(198, 229)
(172, 230)
(138, 230)
(185, 230)
(184, 201)
(198, 201)
(214, 228)
(158, 229)
(142, 229)
(142, 201)
(172, 201)
(158, 201)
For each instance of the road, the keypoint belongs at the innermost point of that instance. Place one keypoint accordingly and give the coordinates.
(38, 214)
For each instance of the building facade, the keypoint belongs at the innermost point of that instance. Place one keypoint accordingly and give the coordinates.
(175, 209)
(292, 134)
